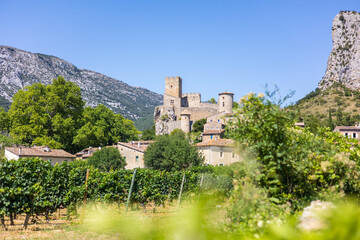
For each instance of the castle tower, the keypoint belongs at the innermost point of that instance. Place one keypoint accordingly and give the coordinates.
(225, 102)
(173, 86)
(185, 121)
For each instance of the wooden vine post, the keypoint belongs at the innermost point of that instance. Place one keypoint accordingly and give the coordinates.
(181, 189)
(130, 191)
(85, 197)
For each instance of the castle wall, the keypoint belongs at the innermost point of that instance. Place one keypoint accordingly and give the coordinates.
(171, 102)
(197, 113)
(191, 100)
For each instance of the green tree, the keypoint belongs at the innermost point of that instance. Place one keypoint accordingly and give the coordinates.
(172, 153)
(198, 126)
(106, 159)
(4, 121)
(101, 127)
(47, 115)
(148, 134)
(212, 100)
(330, 121)
(296, 165)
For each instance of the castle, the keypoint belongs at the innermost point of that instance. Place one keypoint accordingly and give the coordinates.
(181, 111)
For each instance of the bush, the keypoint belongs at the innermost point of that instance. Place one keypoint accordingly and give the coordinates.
(172, 153)
(107, 159)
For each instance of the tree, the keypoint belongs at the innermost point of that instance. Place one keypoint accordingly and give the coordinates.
(199, 125)
(101, 127)
(148, 134)
(4, 121)
(47, 115)
(294, 165)
(107, 159)
(172, 153)
(212, 100)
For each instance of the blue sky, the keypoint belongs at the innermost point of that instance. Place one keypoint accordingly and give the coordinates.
(238, 46)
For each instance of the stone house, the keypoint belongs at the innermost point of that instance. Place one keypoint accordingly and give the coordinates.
(43, 152)
(218, 152)
(86, 153)
(349, 131)
(133, 152)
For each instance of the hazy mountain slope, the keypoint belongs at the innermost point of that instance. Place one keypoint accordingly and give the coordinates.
(21, 68)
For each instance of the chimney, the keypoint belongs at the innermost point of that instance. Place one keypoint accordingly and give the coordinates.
(139, 144)
(19, 151)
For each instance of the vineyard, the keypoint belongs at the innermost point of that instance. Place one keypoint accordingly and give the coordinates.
(34, 187)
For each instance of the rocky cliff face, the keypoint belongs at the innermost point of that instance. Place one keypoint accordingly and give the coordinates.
(344, 61)
(20, 68)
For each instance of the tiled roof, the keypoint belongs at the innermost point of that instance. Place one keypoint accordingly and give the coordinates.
(135, 145)
(38, 152)
(226, 93)
(185, 112)
(213, 131)
(300, 124)
(218, 142)
(346, 128)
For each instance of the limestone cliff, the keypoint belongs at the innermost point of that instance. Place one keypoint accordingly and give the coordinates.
(344, 61)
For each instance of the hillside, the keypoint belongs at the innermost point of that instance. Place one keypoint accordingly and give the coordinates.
(20, 68)
(337, 99)
(342, 102)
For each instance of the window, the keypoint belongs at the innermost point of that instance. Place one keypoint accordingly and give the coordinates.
(223, 104)
(172, 102)
(218, 120)
(221, 154)
(211, 136)
(354, 135)
(233, 155)
(346, 134)
(221, 164)
(125, 159)
(137, 158)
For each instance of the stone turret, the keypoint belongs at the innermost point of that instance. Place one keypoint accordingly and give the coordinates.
(225, 102)
(185, 121)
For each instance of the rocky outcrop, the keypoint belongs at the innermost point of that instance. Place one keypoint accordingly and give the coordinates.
(312, 217)
(20, 68)
(344, 61)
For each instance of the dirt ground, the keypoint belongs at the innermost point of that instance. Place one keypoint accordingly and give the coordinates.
(59, 228)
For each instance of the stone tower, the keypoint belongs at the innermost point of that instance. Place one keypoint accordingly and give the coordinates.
(173, 86)
(225, 102)
(185, 121)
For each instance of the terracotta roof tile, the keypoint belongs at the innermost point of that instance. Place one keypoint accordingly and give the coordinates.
(38, 152)
(218, 142)
(347, 128)
(213, 131)
(134, 145)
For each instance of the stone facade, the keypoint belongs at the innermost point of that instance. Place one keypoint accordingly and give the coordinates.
(168, 116)
(133, 152)
(218, 152)
(349, 131)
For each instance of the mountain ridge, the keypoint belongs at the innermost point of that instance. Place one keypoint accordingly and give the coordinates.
(19, 68)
